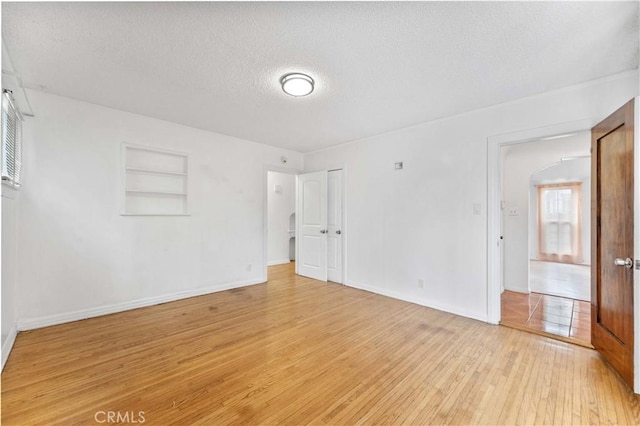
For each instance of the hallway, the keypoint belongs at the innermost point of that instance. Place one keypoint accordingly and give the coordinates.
(558, 305)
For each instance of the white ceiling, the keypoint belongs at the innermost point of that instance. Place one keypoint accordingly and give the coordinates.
(378, 66)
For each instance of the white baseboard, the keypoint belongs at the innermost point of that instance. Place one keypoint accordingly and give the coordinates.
(278, 262)
(517, 289)
(46, 321)
(419, 301)
(7, 345)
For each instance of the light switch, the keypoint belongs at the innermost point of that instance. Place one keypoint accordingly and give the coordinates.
(476, 208)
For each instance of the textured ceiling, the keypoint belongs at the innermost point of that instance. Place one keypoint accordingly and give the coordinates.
(378, 66)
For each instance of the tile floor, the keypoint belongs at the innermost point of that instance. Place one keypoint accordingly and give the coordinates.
(552, 315)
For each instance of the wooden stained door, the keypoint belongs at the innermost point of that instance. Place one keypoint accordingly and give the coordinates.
(612, 240)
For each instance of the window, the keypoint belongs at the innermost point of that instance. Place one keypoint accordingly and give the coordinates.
(11, 141)
(559, 223)
(155, 182)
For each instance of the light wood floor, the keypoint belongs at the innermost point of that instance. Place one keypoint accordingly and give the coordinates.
(298, 351)
(560, 279)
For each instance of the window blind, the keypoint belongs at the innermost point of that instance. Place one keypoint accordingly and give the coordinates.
(11, 141)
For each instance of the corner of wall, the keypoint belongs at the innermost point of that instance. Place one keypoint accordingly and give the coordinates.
(7, 345)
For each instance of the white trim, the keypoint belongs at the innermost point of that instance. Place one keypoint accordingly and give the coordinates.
(7, 345)
(278, 262)
(494, 189)
(480, 316)
(537, 133)
(343, 227)
(636, 236)
(542, 95)
(46, 321)
(153, 172)
(153, 215)
(265, 213)
(295, 230)
(9, 192)
(154, 149)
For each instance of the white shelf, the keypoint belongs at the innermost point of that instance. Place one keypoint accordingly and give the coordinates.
(154, 214)
(138, 191)
(157, 172)
(154, 182)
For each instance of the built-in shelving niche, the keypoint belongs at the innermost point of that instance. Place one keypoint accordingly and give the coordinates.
(155, 182)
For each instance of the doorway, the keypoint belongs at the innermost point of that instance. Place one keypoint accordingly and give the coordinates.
(623, 124)
(280, 220)
(545, 216)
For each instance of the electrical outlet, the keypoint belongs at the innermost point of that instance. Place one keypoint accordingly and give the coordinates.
(420, 283)
(513, 211)
(249, 268)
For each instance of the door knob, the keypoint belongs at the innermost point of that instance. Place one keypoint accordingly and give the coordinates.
(628, 263)
(323, 231)
(338, 232)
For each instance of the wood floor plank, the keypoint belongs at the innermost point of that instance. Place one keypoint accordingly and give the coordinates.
(299, 351)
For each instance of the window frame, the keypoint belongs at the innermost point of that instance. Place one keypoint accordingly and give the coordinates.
(11, 174)
(577, 256)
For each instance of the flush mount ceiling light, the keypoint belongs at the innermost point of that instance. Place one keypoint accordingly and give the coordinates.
(296, 84)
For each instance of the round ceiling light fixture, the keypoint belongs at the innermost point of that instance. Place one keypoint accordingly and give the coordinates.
(297, 84)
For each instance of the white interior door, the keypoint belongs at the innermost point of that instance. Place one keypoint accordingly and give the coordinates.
(311, 217)
(334, 226)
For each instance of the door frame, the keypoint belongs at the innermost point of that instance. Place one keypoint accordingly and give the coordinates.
(265, 212)
(636, 249)
(494, 213)
(342, 227)
(345, 227)
(494, 198)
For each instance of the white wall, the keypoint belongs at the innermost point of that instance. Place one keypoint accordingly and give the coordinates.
(9, 258)
(280, 207)
(418, 223)
(520, 162)
(78, 256)
(576, 170)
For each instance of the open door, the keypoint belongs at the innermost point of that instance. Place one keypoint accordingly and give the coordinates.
(311, 214)
(612, 240)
